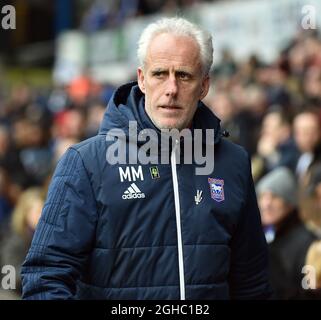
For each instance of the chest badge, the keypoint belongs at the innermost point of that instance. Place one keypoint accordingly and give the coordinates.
(217, 189)
(154, 172)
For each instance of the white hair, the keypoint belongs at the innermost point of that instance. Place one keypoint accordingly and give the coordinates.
(180, 27)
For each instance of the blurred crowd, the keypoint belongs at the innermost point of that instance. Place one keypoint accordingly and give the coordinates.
(36, 128)
(104, 14)
(272, 110)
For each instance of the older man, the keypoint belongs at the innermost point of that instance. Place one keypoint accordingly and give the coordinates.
(112, 230)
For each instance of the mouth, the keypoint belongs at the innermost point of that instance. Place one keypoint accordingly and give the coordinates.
(169, 107)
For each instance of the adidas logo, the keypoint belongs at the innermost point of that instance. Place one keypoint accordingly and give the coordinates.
(133, 192)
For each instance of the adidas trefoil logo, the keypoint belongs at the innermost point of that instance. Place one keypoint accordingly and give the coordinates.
(133, 192)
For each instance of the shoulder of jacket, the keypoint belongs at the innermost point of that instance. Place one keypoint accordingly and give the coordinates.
(89, 151)
(83, 146)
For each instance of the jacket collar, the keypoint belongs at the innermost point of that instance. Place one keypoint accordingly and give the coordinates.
(127, 104)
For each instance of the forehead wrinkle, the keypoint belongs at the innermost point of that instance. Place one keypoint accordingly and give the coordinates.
(172, 68)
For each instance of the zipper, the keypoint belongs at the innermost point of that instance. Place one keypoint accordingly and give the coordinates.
(178, 223)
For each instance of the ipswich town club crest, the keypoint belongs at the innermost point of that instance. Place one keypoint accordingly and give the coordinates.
(217, 189)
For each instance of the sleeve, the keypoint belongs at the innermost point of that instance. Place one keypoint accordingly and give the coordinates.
(248, 278)
(64, 236)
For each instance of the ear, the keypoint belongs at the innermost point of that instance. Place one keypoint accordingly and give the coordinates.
(205, 87)
(141, 79)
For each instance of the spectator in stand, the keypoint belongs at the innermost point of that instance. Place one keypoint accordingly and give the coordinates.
(94, 117)
(222, 106)
(5, 199)
(69, 124)
(251, 108)
(276, 146)
(20, 231)
(286, 234)
(310, 199)
(306, 128)
(313, 259)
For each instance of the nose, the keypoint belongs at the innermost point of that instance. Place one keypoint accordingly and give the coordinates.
(266, 200)
(171, 87)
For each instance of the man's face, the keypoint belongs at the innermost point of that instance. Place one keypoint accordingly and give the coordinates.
(274, 129)
(273, 208)
(306, 131)
(172, 81)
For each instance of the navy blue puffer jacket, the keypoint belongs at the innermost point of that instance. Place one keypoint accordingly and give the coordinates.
(148, 233)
